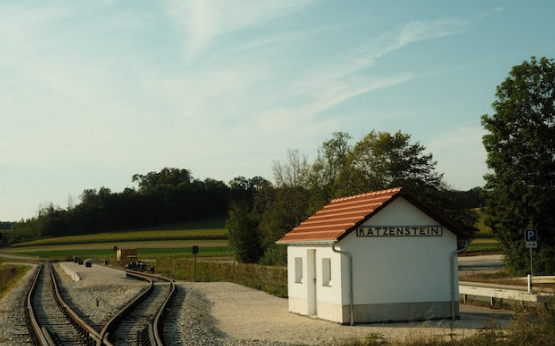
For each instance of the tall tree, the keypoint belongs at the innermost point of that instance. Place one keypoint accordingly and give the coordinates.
(293, 172)
(243, 225)
(331, 160)
(520, 147)
(382, 160)
(244, 237)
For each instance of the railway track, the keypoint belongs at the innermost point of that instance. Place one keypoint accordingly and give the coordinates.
(141, 322)
(52, 322)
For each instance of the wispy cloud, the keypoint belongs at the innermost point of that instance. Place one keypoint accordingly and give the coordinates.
(203, 21)
(412, 32)
(346, 76)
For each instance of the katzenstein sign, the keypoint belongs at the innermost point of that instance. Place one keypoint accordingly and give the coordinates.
(399, 231)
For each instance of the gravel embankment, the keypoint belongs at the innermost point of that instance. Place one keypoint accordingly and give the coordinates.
(99, 293)
(12, 314)
(226, 314)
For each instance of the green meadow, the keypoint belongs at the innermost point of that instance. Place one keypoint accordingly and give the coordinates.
(484, 246)
(130, 236)
(171, 241)
(142, 253)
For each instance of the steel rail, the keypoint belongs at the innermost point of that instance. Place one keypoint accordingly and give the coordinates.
(83, 327)
(40, 334)
(112, 324)
(151, 333)
(36, 331)
(156, 326)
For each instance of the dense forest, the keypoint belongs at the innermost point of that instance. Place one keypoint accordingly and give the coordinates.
(257, 210)
(169, 196)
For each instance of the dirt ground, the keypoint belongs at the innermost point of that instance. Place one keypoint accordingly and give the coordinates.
(243, 313)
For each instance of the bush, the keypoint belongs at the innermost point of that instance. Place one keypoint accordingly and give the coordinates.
(275, 256)
(270, 279)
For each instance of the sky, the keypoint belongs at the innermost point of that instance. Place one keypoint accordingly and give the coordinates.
(93, 92)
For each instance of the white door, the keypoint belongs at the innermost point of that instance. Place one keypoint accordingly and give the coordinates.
(311, 282)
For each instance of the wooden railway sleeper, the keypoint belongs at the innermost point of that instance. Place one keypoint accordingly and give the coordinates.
(89, 334)
(52, 338)
(143, 337)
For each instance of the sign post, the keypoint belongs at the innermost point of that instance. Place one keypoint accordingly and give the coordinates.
(531, 239)
(195, 251)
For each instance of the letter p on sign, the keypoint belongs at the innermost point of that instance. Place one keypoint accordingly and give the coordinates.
(531, 238)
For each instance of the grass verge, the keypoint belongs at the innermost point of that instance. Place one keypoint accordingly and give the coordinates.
(10, 274)
(265, 278)
(535, 327)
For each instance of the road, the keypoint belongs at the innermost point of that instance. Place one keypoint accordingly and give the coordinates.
(481, 264)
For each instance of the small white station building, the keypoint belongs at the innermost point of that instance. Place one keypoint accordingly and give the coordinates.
(376, 257)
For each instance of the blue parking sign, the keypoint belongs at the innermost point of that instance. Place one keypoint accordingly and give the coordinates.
(531, 238)
(531, 235)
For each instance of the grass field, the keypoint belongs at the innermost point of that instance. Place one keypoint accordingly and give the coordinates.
(171, 241)
(142, 253)
(484, 246)
(131, 236)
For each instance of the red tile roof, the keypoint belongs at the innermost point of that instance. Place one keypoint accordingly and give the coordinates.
(341, 216)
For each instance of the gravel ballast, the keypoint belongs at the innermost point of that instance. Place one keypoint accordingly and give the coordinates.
(223, 313)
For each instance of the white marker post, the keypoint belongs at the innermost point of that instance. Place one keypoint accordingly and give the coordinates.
(531, 239)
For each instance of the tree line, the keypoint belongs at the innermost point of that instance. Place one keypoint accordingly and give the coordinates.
(258, 211)
(169, 196)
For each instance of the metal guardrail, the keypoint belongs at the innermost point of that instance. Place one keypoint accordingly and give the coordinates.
(493, 292)
(541, 279)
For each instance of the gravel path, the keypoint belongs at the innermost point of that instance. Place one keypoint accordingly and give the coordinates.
(241, 313)
(226, 314)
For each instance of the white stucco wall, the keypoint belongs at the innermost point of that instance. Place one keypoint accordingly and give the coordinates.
(305, 297)
(401, 269)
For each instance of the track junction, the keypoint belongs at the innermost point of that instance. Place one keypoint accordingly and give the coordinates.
(53, 321)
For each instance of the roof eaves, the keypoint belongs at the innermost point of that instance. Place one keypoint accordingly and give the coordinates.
(306, 242)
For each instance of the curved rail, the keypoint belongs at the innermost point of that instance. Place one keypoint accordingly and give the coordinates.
(82, 326)
(41, 334)
(150, 335)
(160, 316)
(36, 331)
